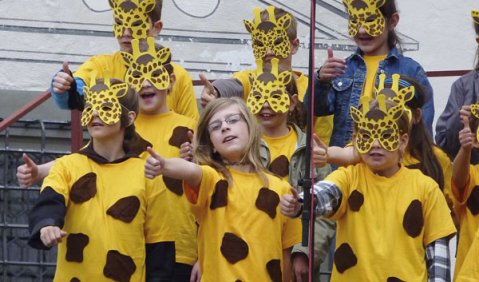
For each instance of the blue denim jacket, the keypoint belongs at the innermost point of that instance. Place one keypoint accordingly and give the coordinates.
(345, 91)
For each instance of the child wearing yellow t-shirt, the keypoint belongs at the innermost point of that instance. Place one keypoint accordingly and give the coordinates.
(466, 197)
(242, 236)
(393, 224)
(108, 220)
(67, 88)
(281, 117)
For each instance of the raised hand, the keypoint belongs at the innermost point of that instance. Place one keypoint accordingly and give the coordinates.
(209, 92)
(290, 205)
(63, 80)
(154, 164)
(51, 235)
(27, 173)
(186, 149)
(320, 152)
(466, 137)
(332, 67)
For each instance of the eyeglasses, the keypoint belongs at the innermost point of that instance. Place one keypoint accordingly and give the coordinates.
(230, 120)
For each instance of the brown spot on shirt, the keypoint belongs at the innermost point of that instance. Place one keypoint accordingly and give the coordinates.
(280, 166)
(413, 220)
(220, 195)
(118, 266)
(179, 136)
(394, 279)
(125, 209)
(76, 243)
(274, 270)
(233, 248)
(174, 185)
(267, 201)
(356, 200)
(84, 188)
(473, 201)
(344, 258)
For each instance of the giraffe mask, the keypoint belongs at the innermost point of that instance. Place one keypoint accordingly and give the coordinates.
(475, 114)
(377, 124)
(475, 16)
(269, 87)
(132, 15)
(149, 64)
(393, 93)
(365, 13)
(104, 99)
(269, 34)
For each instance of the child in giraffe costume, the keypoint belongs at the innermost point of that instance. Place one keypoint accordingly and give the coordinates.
(150, 73)
(393, 223)
(242, 236)
(108, 220)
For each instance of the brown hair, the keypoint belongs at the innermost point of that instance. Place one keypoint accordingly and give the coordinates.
(388, 9)
(204, 150)
(292, 30)
(155, 14)
(420, 145)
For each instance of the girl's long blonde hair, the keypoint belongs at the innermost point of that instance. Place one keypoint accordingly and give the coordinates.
(204, 150)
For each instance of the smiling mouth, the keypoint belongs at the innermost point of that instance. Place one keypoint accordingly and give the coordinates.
(147, 95)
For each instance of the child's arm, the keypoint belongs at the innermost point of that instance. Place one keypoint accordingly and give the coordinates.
(343, 156)
(186, 149)
(66, 90)
(287, 264)
(438, 260)
(30, 173)
(173, 167)
(460, 166)
(46, 219)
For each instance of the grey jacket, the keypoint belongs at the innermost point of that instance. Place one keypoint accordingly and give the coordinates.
(464, 91)
(324, 228)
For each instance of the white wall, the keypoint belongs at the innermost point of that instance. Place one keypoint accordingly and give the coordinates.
(209, 36)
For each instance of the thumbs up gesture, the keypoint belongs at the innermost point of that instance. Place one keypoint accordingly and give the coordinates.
(289, 204)
(320, 152)
(466, 138)
(63, 80)
(27, 173)
(332, 67)
(154, 164)
(209, 92)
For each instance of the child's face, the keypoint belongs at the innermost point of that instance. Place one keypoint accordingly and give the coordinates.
(153, 101)
(284, 62)
(229, 133)
(271, 120)
(382, 161)
(99, 131)
(372, 45)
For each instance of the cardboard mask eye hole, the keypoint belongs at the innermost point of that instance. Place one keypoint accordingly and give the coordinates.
(278, 41)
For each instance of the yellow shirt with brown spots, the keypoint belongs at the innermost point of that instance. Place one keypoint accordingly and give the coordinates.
(280, 151)
(242, 233)
(109, 218)
(466, 206)
(446, 166)
(166, 132)
(380, 234)
(323, 126)
(181, 99)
